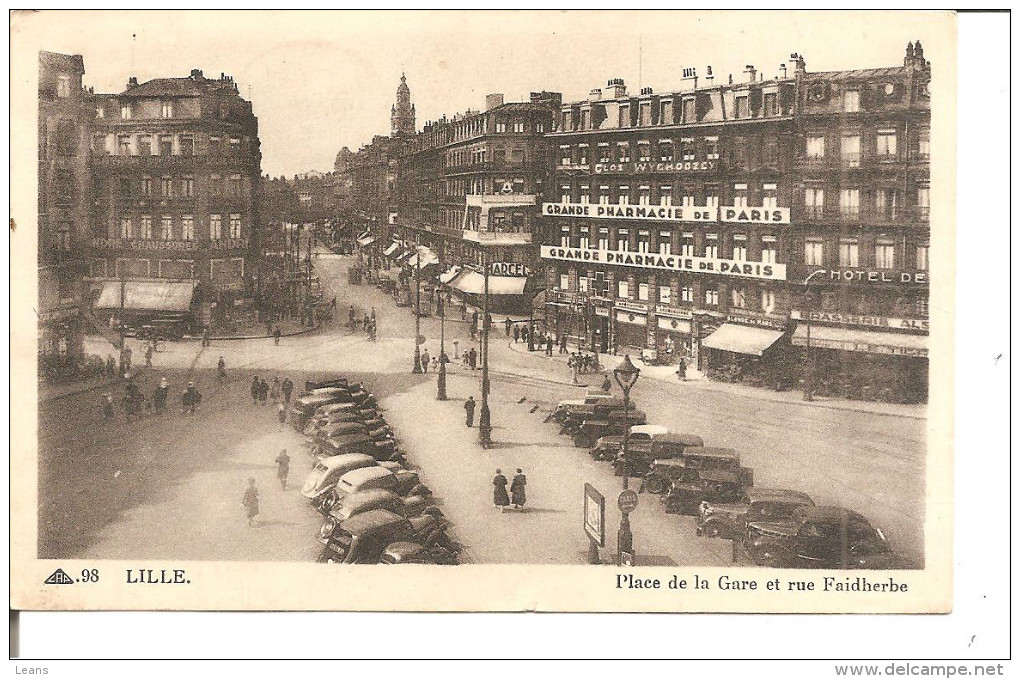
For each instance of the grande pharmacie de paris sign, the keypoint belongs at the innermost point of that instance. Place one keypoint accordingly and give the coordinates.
(679, 263)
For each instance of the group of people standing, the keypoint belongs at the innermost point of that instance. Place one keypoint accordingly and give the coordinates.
(135, 404)
(279, 392)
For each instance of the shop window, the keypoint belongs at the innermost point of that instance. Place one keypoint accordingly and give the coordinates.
(813, 253)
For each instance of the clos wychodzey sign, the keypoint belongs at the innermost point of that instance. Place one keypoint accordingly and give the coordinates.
(655, 213)
(132, 244)
(650, 167)
(861, 320)
(649, 260)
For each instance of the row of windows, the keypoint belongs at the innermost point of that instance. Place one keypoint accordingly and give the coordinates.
(647, 113)
(479, 156)
(219, 269)
(664, 194)
(184, 186)
(850, 144)
(886, 202)
(145, 144)
(712, 247)
(182, 227)
(646, 150)
(741, 297)
(849, 254)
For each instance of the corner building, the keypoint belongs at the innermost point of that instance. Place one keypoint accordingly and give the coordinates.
(673, 217)
(719, 222)
(176, 166)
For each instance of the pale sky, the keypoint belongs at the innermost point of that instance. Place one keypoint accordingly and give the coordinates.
(322, 80)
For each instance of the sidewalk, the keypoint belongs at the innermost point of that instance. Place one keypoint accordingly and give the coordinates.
(697, 379)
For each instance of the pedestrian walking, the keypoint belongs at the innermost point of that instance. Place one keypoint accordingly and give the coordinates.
(373, 315)
(221, 369)
(281, 415)
(276, 335)
(425, 360)
(469, 410)
(456, 349)
(206, 337)
(111, 366)
(108, 408)
(148, 355)
(548, 344)
(473, 358)
(274, 390)
(159, 397)
(517, 493)
(256, 387)
(287, 388)
(681, 370)
(190, 399)
(500, 499)
(250, 502)
(607, 386)
(282, 468)
(517, 334)
(563, 343)
(507, 325)
(435, 362)
(263, 392)
(350, 317)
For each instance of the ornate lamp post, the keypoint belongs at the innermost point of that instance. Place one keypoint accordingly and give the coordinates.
(626, 374)
(441, 379)
(485, 417)
(809, 367)
(417, 314)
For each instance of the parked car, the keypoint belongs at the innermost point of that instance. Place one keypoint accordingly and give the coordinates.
(730, 521)
(327, 471)
(305, 405)
(657, 446)
(404, 552)
(565, 408)
(312, 385)
(573, 418)
(401, 481)
(607, 447)
(704, 485)
(819, 537)
(342, 508)
(615, 423)
(356, 443)
(364, 537)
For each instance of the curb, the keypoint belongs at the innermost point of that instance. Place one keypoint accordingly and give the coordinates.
(305, 331)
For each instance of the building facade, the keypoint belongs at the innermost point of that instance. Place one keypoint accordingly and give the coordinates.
(63, 227)
(720, 221)
(176, 167)
(469, 189)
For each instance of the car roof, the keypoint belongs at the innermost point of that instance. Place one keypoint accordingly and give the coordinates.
(364, 497)
(829, 512)
(725, 475)
(689, 440)
(650, 429)
(370, 521)
(358, 476)
(703, 451)
(778, 495)
(346, 459)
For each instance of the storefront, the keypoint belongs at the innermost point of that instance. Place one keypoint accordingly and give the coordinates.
(509, 295)
(631, 330)
(855, 362)
(674, 334)
(744, 353)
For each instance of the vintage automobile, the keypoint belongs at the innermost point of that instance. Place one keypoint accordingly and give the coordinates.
(607, 447)
(565, 408)
(819, 537)
(327, 471)
(377, 498)
(615, 423)
(312, 385)
(356, 443)
(642, 454)
(703, 485)
(666, 460)
(573, 419)
(305, 405)
(730, 521)
(376, 432)
(400, 481)
(405, 552)
(364, 537)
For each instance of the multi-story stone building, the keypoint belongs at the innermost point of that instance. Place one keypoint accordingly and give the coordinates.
(469, 187)
(176, 165)
(720, 221)
(64, 187)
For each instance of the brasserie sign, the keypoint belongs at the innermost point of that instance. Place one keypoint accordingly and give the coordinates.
(678, 263)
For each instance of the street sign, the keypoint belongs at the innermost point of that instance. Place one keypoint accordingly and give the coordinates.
(627, 501)
(510, 269)
(595, 515)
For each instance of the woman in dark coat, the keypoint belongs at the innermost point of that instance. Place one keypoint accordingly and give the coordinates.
(256, 389)
(251, 502)
(517, 489)
(499, 497)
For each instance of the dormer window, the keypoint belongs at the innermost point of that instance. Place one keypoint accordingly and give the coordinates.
(168, 108)
(125, 111)
(851, 101)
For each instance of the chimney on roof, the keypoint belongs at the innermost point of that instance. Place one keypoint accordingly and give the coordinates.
(616, 88)
(196, 74)
(132, 82)
(709, 78)
(782, 71)
(689, 79)
(751, 73)
(646, 90)
(493, 100)
(595, 94)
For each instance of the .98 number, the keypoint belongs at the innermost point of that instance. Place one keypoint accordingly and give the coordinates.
(90, 575)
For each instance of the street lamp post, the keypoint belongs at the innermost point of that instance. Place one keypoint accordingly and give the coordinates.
(485, 417)
(417, 314)
(626, 375)
(809, 367)
(441, 379)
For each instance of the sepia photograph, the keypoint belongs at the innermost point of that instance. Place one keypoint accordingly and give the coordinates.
(570, 306)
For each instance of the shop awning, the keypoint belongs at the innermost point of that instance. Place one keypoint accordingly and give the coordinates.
(473, 283)
(867, 341)
(147, 295)
(449, 275)
(391, 249)
(422, 257)
(742, 339)
(367, 240)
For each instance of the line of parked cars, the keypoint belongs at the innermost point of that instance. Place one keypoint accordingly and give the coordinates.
(375, 508)
(775, 527)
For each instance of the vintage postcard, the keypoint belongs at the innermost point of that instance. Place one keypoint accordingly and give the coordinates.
(484, 311)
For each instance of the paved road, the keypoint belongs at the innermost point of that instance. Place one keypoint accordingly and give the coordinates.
(180, 478)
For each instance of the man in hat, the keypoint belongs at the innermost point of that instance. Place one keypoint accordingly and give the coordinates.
(190, 399)
(282, 468)
(469, 410)
(160, 396)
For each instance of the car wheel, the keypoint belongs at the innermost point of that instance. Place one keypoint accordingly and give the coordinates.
(326, 556)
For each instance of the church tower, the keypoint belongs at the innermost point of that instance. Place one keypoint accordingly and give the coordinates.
(402, 114)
